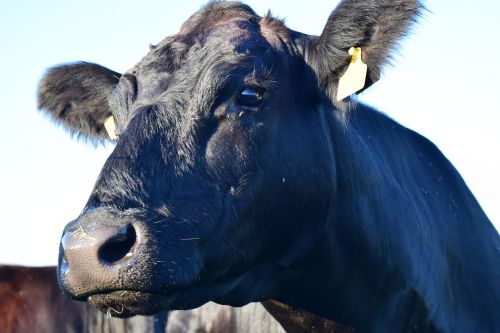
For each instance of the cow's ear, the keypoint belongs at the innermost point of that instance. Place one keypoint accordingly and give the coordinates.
(370, 28)
(76, 95)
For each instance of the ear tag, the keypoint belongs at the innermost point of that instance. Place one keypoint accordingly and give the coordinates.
(354, 77)
(110, 127)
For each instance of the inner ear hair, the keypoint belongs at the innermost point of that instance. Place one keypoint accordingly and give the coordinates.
(375, 26)
(76, 96)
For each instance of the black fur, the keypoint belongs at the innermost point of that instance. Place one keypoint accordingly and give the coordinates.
(355, 218)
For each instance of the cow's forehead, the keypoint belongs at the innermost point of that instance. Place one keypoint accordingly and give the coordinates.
(235, 34)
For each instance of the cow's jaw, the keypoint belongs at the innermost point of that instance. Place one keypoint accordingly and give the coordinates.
(127, 303)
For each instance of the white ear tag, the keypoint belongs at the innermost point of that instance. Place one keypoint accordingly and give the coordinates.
(110, 127)
(354, 78)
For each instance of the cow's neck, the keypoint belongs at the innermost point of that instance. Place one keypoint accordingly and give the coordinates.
(408, 247)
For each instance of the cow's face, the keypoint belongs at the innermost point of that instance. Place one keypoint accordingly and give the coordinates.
(223, 171)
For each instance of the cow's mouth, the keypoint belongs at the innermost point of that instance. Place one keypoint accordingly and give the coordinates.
(127, 303)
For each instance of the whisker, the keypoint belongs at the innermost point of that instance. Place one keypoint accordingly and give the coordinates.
(189, 239)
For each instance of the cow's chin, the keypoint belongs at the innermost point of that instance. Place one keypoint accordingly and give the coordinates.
(127, 303)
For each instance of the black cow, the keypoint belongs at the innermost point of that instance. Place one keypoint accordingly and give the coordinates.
(241, 175)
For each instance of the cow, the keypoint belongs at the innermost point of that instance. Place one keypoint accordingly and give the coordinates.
(244, 170)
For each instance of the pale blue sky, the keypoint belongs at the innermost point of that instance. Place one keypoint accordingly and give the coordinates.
(444, 84)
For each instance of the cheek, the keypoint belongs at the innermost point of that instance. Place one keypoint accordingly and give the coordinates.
(229, 153)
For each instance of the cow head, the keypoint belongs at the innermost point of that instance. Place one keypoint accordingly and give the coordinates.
(224, 171)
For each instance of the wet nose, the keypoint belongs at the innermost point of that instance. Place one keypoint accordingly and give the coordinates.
(94, 257)
(110, 245)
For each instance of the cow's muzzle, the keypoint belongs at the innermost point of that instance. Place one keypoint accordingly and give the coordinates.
(98, 255)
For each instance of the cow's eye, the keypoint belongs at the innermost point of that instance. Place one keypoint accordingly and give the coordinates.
(250, 97)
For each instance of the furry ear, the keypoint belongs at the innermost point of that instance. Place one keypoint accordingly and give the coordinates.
(375, 26)
(76, 95)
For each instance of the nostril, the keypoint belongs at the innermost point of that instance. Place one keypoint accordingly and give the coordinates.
(119, 246)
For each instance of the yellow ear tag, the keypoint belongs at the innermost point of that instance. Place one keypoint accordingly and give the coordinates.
(354, 77)
(110, 127)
